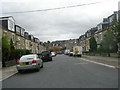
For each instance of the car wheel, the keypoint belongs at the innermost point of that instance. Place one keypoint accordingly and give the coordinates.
(20, 71)
(41, 66)
(51, 59)
(38, 69)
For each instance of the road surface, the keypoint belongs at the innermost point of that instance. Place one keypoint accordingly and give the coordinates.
(66, 72)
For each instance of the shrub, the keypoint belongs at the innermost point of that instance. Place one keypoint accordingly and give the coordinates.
(20, 52)
(5, 50)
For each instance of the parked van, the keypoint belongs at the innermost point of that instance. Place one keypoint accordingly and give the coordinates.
(77, 51)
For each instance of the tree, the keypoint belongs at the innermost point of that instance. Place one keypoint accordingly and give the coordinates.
(100, 49)
(20, 52)
(55, 48)
(93, 45)
(116, 32)
(111, 39)
(12, 50)
(5, 50)
(109, 42)
(63, 48)
(48, 42)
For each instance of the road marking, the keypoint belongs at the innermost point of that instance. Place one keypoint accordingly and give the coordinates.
(8, 76)
(98, 63)
(81, 63)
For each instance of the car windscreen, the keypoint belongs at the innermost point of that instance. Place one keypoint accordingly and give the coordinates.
(27, 57)
(45, 53)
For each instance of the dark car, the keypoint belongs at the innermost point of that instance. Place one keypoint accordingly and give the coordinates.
(46, 56)
(71, 54)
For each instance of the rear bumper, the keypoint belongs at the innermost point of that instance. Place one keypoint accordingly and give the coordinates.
(21, 67)
(71, 54)
(77, 55)
(53, 55)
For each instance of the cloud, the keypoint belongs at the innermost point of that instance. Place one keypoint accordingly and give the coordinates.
(119, 5)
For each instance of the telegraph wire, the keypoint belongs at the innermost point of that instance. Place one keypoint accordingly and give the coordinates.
(40, 10)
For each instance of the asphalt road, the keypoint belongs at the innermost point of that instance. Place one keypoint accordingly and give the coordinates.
(66, 72)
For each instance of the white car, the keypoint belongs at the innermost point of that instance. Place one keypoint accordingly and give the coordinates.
(27, 62)
(53, 54)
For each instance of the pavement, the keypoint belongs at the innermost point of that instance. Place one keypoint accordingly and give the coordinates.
(112, 61)
(6, 72)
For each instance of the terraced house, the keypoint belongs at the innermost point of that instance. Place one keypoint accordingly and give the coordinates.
(84, 39)
(20, 38)
(98, 32)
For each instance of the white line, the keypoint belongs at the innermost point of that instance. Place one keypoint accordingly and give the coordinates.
(8, 76)
(98, 63)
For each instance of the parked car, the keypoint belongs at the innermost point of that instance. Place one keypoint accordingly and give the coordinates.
(46, 56)
(67, 52)
(53, 54)
(59, 52)
(71, 54)
(27, 62)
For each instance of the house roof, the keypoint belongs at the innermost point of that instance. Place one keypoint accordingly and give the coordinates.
(3, 17)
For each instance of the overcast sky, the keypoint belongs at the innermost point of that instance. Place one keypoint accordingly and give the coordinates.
(59, 24)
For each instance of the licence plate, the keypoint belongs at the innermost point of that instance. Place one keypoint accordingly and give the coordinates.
(23, 63)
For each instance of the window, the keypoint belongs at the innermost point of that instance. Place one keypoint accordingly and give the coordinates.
(22, 32)
(18, 30)
(18, 40)
(11, 25)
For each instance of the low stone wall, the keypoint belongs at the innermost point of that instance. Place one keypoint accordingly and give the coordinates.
(10, 63)
(116, 55)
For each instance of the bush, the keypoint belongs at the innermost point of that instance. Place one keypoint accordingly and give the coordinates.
(5, 50)
(12, 51)
(20, 52)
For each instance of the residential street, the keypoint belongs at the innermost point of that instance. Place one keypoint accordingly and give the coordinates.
(66, 72)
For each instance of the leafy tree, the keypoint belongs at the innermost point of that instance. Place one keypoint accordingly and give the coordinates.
(109, 42)
(5, 50)
(116, 32)
(20, 52)
(55, 48)
(100, 49)
(12, 50)
(93, 44)
(28, 51)
(48, 42)
(111, 39)
(63, 48)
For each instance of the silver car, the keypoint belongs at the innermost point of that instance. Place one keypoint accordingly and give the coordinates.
(31, 61)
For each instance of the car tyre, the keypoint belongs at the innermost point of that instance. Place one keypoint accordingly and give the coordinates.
(38, 69)
(51, 59)
(20, 71)
(41, 66)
